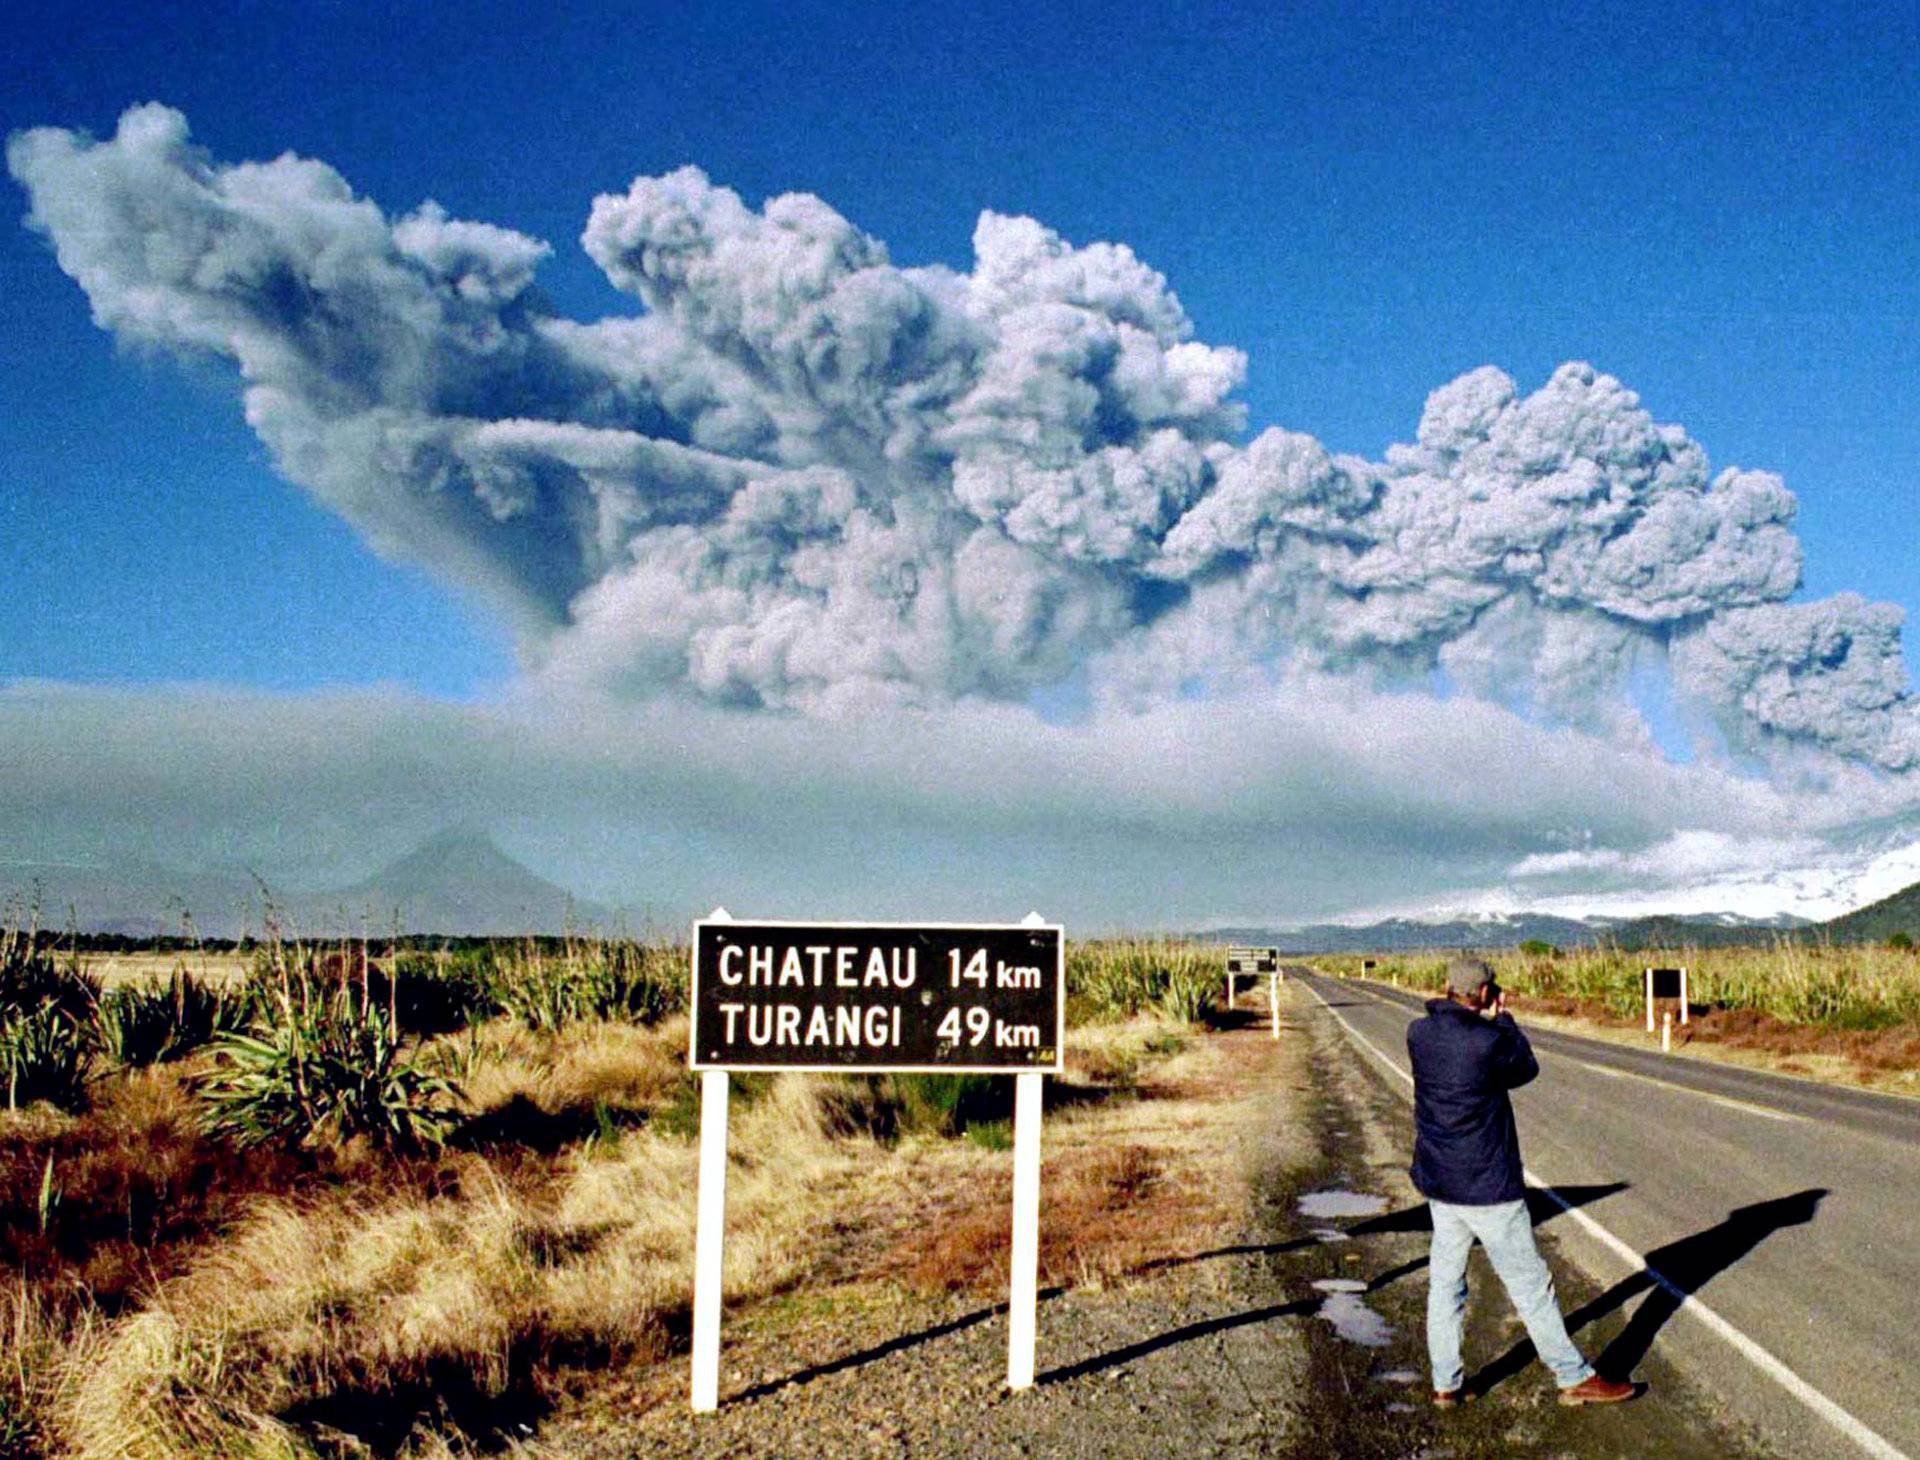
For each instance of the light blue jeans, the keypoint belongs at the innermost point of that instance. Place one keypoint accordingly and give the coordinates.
(1506, 1231)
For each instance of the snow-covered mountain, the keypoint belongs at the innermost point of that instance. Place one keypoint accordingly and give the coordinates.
(1508, 930)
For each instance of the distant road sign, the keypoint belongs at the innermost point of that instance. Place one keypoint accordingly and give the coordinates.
(1253, 960)
(1666, 985)
(901, 997)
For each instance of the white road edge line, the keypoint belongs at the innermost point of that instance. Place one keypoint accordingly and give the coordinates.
(1867, 1439)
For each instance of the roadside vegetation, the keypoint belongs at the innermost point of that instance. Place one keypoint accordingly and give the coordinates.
(369, 1200)
(1796, 1002)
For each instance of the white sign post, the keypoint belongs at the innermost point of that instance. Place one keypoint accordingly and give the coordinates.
(709, 1239)
(906, 998)
(1023, 1278)
(1023, 1288)
(1273, 1001)
(710, 1226)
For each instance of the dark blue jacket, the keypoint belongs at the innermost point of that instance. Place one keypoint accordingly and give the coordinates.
(1466, 1150)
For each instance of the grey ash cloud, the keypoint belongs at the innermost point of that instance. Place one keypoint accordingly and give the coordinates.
(808, 479)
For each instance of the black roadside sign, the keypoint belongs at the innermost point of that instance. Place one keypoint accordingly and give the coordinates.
(1253, 960)
(902, 997)
(1666, 982)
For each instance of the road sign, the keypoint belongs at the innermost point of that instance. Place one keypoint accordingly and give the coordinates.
(1255, 961)
(904, 997)
(1666, 985)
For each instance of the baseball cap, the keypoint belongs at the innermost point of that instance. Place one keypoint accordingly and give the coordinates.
(1467, 975)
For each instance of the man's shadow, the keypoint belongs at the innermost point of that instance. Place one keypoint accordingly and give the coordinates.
(1671, 1275)
(1540, 1207)
(1419, 1218)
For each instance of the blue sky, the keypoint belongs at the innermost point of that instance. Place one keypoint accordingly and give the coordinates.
(1721, 208)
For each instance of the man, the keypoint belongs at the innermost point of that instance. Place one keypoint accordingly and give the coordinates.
(1467, 1053)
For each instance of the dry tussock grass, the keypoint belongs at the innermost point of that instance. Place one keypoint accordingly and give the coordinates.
(34, 1333)
(133, 1183)
(210, 966)
(1125, 1185)
(363, 1305)
(585, 1064)
(385, 1305)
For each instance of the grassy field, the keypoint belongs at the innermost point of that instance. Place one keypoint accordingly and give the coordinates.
(321, 1201)
(304, 1204)
(115, 969)
(1840, 1011)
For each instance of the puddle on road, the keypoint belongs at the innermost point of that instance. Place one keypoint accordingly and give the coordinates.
(1351, 1318)
(1397, 1376)
(1326, 1205)
(1329, 1234)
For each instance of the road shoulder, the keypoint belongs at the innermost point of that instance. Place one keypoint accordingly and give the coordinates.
(1369, 1119)
(1192, 1352)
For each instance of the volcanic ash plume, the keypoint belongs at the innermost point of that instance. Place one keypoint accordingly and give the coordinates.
(806, 478)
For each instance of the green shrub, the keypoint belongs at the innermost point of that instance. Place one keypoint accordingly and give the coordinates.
(44, 1056)
(431, 995)
(47, 1008)
(991, 1135)
(679, 1115)
(631, 982)
(1901, 942)
(147, 1025)
(32, 978)
(1539, 948)
(324, 1061)
(1188, 995)
(1119, 978)
(950, 1105)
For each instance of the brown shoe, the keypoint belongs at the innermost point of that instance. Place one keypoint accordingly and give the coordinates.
(1450, 1398)
(1598, 1391)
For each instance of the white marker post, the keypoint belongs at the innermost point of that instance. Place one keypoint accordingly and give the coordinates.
(1273, 1001)
(1232, 989)
(1676, 992)
(1666, 1031)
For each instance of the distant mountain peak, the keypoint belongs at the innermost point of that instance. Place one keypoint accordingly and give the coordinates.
(459, 881)
(461, 850)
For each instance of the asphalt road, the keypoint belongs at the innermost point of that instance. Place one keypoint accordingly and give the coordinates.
(1767, 1236)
